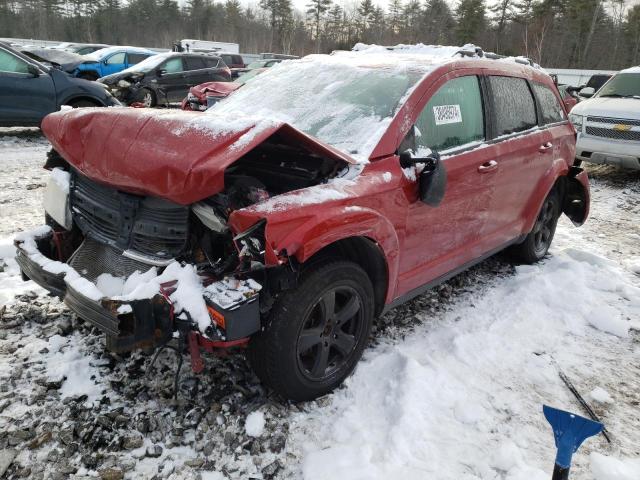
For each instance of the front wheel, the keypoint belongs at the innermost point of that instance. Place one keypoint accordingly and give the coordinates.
(316, 333)
(537, 242)
(146, 97)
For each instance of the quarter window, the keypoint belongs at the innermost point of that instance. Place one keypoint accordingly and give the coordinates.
(549, 105)
(515, 109)
(116, 59)
(453, 116)
(11, 63)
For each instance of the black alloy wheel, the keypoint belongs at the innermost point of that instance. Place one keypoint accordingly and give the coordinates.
(329, 334)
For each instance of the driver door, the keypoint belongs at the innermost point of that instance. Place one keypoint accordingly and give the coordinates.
(24, 97)
(441, 239)
(171, 83)
(113, 64)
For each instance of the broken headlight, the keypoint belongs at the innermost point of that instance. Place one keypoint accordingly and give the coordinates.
(56, 198)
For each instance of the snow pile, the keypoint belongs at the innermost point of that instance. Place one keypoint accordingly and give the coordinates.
(254, 425)
(451, 401)
(61, 178)
(609, 468)
(188, 295)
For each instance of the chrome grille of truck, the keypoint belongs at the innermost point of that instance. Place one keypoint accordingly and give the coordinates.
(614, 121)
(632, 135)
(145, 228)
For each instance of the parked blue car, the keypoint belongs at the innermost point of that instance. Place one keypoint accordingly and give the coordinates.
(111, 60)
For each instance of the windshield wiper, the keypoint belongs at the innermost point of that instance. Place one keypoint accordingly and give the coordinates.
(617, 95)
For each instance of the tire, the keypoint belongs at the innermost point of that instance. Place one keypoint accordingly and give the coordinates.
(537, 242)
(146, 97)
(315, 333)
(83, 104)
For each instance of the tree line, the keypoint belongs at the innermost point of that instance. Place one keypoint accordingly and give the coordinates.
(598, 34)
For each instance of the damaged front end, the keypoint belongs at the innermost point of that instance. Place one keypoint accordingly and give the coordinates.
(145, 269)
(126, 88)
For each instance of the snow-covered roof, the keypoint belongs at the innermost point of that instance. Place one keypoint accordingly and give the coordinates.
(425, 55)
(631, 70)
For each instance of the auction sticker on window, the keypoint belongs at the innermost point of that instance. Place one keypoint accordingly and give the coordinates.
(447, 114)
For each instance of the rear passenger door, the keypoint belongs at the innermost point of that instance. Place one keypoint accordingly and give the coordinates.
(559, 134)
(195, 74)
(520, 150)
(171, 83)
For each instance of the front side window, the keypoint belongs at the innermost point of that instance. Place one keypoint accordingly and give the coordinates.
(11, 63)
(173, 65)
(453, 116)
(549, 105)
(515, 109)
(116, 59)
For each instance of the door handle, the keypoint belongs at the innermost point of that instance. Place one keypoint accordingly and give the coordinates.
(488, 166)
(545, 147)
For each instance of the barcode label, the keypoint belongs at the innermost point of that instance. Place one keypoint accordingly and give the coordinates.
(444, 114)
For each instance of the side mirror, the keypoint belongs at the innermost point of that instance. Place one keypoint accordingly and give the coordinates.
(33, 70)
(433, 177)
(160, 72)
(587, 92)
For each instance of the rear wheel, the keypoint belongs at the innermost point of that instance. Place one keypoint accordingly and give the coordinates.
(316, 333)
(537, 242)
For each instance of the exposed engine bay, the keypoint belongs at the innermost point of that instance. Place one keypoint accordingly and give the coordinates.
(108, 236)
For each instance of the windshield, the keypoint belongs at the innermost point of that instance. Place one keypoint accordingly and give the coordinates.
(626, 85)
(258, 64)
(146, 65)
(242, 79)
(343, 104)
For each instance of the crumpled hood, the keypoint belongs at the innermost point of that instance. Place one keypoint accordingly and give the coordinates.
(180, 156)
(609, 107)
(220, 89)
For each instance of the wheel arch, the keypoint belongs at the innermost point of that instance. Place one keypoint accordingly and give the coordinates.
(82, 97)
(364, 252)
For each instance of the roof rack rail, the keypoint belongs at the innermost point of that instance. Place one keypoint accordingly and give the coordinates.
(476, 52)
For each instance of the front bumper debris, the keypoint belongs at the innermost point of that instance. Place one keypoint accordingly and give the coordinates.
(144, 323)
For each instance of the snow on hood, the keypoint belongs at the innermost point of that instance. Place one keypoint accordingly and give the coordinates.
(609, 107)
(176, 155)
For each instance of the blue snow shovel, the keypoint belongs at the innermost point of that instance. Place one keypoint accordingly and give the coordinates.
(570, 431)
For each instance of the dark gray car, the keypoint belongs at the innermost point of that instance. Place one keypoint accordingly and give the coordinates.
(30, 90)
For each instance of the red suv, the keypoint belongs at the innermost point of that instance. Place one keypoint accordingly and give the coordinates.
(360, 180)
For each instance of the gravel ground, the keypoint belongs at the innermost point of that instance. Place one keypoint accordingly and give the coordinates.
(116, 417)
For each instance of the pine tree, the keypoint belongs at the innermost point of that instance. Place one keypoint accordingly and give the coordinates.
(470, 15)
(316, 9)
(437, 22)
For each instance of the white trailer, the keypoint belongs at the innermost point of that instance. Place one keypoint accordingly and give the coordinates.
(191, 45)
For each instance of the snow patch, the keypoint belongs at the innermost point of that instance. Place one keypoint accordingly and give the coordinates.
(610, 468)
(254, 425)
(600, 395)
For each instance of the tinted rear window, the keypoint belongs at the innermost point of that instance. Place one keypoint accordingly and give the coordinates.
(549, 105)
(211, 62)
(514, 106)
(195, 63)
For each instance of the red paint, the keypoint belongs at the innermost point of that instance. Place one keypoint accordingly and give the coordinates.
(164, 154)
(480, 211)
